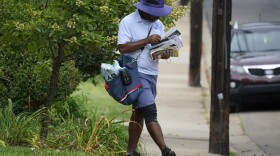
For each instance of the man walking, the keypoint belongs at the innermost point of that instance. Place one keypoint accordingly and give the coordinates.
(137, 31)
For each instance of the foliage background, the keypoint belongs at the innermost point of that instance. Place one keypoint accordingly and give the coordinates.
(33, 34)
(33, 31)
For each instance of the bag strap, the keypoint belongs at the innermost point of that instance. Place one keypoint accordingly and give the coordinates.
(143, 47)
(147, 36)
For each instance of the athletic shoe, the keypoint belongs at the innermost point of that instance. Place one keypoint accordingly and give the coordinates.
(168, 152)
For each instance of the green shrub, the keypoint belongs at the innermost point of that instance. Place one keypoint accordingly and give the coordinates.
(30, 76)
(72, 106)
(34, 32)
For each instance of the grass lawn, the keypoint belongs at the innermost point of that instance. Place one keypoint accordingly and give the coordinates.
(100, 102)
(25, 151)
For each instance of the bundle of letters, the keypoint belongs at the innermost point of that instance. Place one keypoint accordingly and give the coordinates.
(168, 46)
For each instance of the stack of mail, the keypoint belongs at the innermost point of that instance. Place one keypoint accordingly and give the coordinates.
(169, 45)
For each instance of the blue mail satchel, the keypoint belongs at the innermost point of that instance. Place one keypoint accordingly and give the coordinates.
(125, 87)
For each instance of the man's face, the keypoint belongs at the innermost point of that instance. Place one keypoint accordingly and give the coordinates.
(147, 16)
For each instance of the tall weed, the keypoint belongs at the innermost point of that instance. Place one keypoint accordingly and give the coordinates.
(70, 129)
(17, 129)
(95, 135)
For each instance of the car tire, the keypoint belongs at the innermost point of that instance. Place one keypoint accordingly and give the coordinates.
(235, 107)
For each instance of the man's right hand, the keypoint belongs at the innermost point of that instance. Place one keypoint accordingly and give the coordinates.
(133, 46)
(153, 38)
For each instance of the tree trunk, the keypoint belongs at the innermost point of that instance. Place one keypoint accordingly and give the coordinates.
(196, 40)
(45, 121)
(219, 115)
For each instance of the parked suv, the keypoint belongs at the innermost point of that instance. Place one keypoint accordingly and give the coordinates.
(255, 64)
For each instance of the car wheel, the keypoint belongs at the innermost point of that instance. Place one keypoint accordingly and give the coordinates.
(234, 107)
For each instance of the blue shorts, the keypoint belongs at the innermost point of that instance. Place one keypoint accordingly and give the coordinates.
(148, 95)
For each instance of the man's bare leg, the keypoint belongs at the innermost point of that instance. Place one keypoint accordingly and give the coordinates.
(134, 130)
(155, 131)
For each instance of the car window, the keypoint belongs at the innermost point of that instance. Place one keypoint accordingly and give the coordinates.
(255, 41)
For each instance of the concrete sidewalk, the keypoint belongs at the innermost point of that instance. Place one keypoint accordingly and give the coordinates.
(181, 108)
(183, 111)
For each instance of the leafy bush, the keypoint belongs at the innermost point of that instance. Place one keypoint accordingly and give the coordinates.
(89, 64)
(72, 106)
(34, 32)
(177, 12)
(29, 76)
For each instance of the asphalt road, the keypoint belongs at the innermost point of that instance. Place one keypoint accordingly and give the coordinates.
(262, 125)
(263, 128)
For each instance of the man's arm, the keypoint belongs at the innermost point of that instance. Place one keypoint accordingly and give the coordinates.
(133, 46)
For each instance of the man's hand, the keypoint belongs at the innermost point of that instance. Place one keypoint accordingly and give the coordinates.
(165, 54)
(153, 38)
(133, 46)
